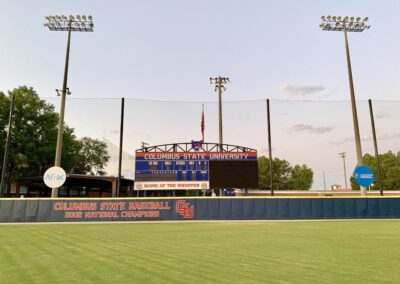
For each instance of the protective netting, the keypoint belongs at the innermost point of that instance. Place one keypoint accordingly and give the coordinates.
(303, 132)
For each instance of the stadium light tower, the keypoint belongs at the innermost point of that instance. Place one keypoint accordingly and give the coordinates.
(219, 86)
(70, 24)
(349, 24)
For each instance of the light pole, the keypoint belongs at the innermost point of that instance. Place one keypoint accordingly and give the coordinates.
(74, 24)
(5, 158)
(343, 155)
(219, 86)
(349, 24)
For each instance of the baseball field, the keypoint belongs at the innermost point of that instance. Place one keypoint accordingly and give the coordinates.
(365, 251)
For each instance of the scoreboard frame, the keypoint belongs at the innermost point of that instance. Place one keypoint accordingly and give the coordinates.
(182, 166)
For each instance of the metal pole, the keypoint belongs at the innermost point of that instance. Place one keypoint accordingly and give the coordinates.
(378, 165)
(323, 173)
(344, 169)
(57, 162)
(220, 110)
(5, 158)
(343, 155)
(121, 138)
(270, 148)
(363, 190)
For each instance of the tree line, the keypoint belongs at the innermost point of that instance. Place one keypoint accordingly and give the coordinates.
(34, 136)
(284, 176)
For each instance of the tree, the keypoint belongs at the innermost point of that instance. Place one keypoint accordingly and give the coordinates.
(390, 170)
(284, 177)
(33, 139)
(92, 157)
(301, 179)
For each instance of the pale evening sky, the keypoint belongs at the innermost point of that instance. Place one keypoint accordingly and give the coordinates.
(167, 50)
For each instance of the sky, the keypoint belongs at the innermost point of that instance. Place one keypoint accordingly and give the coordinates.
(159, 55)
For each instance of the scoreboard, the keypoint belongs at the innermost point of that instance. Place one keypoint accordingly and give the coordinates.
(195, 170)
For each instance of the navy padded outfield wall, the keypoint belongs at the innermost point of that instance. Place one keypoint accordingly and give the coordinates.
(235, 208)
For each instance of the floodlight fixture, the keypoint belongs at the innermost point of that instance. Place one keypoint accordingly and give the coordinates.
(338, 23)
(80, 23)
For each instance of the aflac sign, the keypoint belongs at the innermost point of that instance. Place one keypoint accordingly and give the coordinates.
(54, 177)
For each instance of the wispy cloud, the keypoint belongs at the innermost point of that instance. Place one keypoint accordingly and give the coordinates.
(304, 90)
(383, 137)
(266, 150)
(110, 131)
(310, 128)
(141, 134)
(381, 114)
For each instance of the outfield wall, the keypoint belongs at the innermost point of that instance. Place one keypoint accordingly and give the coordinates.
(203, 208)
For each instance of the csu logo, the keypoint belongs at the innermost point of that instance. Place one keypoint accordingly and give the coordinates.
(196, 145)
(184, 209)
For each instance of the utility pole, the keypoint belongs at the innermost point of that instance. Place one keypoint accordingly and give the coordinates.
(143, 145)
(5, 158)
(219, 86)
(349, 24)
(343, 155)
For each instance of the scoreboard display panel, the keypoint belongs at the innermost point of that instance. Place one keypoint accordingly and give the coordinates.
(189, 170)
(234, 174)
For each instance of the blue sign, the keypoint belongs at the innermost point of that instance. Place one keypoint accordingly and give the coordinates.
(364, 176)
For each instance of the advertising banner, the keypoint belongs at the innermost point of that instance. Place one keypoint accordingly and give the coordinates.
(235, 208)
(172, 185)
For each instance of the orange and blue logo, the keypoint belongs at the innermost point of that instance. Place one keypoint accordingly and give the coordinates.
(184, 209)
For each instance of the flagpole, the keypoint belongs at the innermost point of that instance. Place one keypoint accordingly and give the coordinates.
(202, 123)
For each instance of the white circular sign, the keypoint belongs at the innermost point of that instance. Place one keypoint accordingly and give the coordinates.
(54, 177)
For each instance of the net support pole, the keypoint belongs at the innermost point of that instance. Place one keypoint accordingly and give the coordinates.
(269, 148)
(121, 139)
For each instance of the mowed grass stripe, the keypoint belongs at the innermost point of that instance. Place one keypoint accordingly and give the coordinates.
(226, 252)
(207, 254)
(18, 255)
(103, 251)
(54, 255)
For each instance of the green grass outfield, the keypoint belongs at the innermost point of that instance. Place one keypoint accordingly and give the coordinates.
(202, 252)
